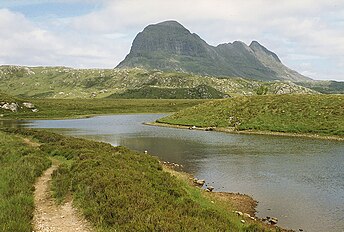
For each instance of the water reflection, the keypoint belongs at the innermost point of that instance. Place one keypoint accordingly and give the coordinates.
(14, 123)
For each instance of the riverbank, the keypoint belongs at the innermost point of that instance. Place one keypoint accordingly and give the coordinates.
(232, 130)
(242, 205)
(314, 115)
(138, 188)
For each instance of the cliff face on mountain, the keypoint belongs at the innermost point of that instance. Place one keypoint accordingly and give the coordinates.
(170, 46)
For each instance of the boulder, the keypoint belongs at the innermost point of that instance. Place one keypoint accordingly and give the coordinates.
(29, 105)
(210, 188)
(200, 182)
(273, 221)
(12, 107)
(247, 215)
(239, 213)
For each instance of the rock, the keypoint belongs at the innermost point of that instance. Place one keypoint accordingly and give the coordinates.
(34, 110)
(247, 215)
(12, 107)
(146, 152)
(242, 221)
(29, 105)
(273, 221)
(239, 213)
(210, 188)
(200, 182)
(195, 180)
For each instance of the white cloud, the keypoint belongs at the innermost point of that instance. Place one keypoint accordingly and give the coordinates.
(296, 30)
(22, 42)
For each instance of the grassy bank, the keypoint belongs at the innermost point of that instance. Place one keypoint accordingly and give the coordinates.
(118, 189)
(71, 108)
(20, 164)
(309, 114)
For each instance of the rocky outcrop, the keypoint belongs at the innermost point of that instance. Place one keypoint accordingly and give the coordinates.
(15, 106)
(10, 106)
(29, 105)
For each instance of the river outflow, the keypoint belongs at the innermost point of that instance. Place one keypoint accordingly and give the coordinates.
(298, 180)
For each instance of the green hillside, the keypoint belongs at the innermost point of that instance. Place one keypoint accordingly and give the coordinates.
(198, 92)
(62, 82)
(316, 114)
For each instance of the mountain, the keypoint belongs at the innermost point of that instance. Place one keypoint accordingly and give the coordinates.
(170, 46)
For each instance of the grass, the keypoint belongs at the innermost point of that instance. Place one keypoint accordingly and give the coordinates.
(315, 114)
(20, 165)
(121, 190)
(70, 108)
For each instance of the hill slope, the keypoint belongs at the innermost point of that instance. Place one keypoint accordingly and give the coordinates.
(317, 114)
(170, 46)
(327, 87)
(198, 92)
(62, 82)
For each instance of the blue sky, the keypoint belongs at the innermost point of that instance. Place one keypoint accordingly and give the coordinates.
(38, 10)
(307, 35)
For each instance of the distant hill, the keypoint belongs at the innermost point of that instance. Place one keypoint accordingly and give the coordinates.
(63, 82)
(170, 46)
(327, 87)
(198, 92)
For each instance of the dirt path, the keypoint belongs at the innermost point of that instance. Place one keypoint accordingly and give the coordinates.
(48, 216)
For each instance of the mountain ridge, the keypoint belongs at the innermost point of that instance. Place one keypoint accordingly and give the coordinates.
(169, 46)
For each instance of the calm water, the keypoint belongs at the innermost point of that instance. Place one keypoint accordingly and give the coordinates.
(298, 180)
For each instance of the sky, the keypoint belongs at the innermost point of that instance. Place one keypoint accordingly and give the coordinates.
(307, 35)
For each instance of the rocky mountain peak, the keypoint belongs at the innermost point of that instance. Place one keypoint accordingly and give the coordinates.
(258, 48)
(170, 46)
(170, 23)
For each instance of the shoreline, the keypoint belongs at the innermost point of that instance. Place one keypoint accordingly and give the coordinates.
(231, 130)
(241, 204)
